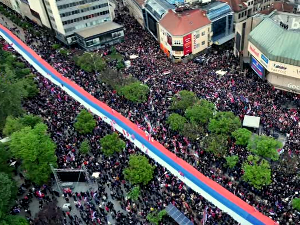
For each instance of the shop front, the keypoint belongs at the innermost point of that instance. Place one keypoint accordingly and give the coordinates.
(286, 83)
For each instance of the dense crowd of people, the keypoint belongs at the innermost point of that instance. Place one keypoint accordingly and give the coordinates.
(238, 91)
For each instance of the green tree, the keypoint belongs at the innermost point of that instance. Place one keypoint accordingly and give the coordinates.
(201, 112)
(192, 131)
(90, 62)
(4, 159)
(134, 193)
(56, 46)
(139, 171)
(257, 172)
(176, 122)
(242, 136)
(8, 194)
(111, 143)
(216, 144)
(63, 51)
(120, 65)
(30, 86)
(265, 146)
(231, 161)
(135, 92)
(20, 220)
(296, 204)
(36, 150)
(224, 123)
(155, 217)
(16, 124)
(85, 147)
(183, 99)
(85, 122)
(12, 92)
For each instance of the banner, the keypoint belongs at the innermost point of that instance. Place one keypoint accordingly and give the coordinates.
(187, 44)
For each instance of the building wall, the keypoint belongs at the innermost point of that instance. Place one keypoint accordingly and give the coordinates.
(135, 10)
(37, 6)
(200, 39)
(25, 9)
(243, 29)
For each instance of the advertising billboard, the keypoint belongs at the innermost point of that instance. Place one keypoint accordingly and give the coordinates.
(257, 67)
(187, 44)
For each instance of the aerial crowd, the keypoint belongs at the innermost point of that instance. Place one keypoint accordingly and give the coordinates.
(241, 92)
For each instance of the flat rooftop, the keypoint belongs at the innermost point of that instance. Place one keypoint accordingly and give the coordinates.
(99, 29)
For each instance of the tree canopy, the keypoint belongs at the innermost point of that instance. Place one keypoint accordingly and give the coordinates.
(176, 122)
(265, 146)
(296, 204)
(134, 193)
(36, 150)
(135, 92)
(16, 124)
(85, 147)
(155, 217)
(85, 122)
(257, 172)
(216, 144)
(184, 99)
(192, 131)
(242, 136)
(201, 112)
(231, 161)
(90, 62)
(224, 123)
(111, 143)
(139, 171)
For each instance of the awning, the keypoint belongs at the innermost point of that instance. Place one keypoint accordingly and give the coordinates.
(251, 121)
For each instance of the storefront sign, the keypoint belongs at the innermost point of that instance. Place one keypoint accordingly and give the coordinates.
(264, 59)
(187, 44)
(293, 86)
(253, 50)
(257, 67)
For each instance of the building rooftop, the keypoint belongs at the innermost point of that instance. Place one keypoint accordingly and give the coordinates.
(277, 43)
(179, 24)
(158, 7)
(236, 5)
(216, 10)
(279, 6)
(140, 2)
(99, 29)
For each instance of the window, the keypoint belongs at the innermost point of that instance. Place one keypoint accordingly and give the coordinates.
(177, 42)
(239, 15)
(197, 36)
(203, 43)
(203, 33)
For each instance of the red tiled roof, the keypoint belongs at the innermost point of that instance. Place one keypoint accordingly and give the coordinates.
(184, 22)
(279, 6)
(236, 5)
(140, 2)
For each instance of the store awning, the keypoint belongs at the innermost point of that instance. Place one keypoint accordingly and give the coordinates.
(251, 121)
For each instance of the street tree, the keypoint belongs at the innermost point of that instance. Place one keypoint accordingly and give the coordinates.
(265, 147)
(201, 112)
(8, 194)
(176, 122)
(85, 147)
(192, 131)
(224, 123)
(139, 170)
(155, 217)
(90, 62)
(183, 99)
(30, 86)
(216, 144)
(16, 124)
(111, 143)
(85, 122)
(4, 159)
(36, 150)
(257, 171)
(50, 215)
(134, 193)
(296, 204)
(242, 136)
(12, 92)
(11, 220)
(135, 92)
(231, 161)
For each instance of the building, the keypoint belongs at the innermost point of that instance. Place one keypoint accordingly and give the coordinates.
(8, 3)
(246, 8)
(184, 33)
(135, 8)
(152, 14)
(107, 33)
(274, 50)
(221, 17)
(242, 29)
